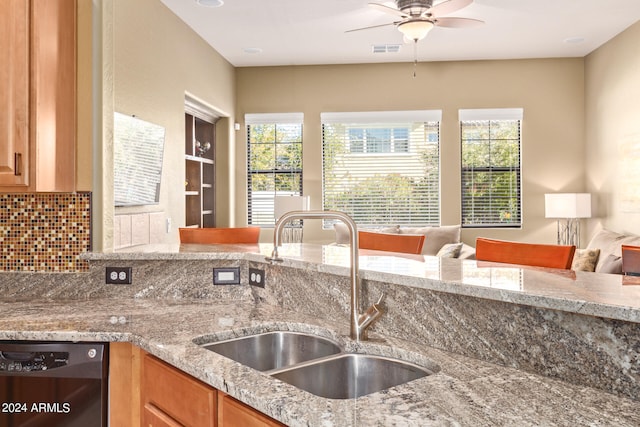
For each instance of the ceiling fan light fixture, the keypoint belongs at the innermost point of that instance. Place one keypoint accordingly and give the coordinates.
(415, 29)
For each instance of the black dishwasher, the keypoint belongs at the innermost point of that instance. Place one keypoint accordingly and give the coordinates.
(53, 384)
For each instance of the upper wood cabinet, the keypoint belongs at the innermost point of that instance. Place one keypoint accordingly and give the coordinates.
(14, 92)
(37, 95)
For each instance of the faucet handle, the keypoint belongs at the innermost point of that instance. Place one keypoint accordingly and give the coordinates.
(371, 314)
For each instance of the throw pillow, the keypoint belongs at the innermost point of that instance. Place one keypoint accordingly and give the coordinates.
(435, 237)
(611, 264)
(450, 250)
(585, 259)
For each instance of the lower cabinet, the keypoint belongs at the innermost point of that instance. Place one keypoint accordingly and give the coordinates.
(152, 416)
(233, 413)
(148, 392)
(172, 398)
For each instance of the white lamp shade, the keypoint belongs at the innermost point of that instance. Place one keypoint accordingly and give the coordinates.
(567, 205)
(284, 204)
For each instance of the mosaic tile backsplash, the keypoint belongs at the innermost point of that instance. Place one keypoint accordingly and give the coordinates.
(45, 231)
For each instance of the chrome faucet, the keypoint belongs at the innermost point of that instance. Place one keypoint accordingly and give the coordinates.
(359, 322)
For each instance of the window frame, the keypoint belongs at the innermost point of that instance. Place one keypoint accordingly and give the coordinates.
(276, 120)
(511, 217)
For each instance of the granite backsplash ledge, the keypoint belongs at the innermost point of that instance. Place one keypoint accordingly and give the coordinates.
(580, 349)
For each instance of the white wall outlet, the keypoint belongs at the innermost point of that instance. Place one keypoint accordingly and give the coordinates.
(118, 275)
(256, 277)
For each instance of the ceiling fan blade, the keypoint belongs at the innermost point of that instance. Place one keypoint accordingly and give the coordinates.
(387, 9)
(458, 22)
(449, 6)
(373, 26)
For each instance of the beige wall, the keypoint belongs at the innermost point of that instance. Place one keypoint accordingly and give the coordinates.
(550, 91)
(612, 87)
(150, 59)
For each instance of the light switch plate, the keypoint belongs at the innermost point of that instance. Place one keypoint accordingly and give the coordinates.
(226, 276)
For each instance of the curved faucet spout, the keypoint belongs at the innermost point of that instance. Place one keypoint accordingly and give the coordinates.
(358, 323)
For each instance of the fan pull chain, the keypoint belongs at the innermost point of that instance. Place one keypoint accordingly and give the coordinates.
(415, 58)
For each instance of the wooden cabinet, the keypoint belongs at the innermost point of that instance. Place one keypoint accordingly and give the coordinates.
(172, 398)
(233, 413)
(146, 391)
(37, 95)
(199, 172)
(14, 92)
(155, 417)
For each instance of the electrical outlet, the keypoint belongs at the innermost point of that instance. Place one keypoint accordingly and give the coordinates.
(256, 277)
(118, 275)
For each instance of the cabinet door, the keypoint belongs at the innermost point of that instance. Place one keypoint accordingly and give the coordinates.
(232, 413)
(14, 92)
(53, 89)
(181, 397)
(154, 417)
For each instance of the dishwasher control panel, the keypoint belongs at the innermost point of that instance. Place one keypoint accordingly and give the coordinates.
(18, 361)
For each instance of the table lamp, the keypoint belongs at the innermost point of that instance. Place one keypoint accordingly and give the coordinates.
(568, 208)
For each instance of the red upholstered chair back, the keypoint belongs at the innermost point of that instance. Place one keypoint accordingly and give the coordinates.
(404, 243)
(537, 255)
(220, 235)
(631, 260)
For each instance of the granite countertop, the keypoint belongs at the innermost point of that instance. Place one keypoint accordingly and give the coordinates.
(463, 391)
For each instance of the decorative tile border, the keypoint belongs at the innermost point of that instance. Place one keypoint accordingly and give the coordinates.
(45, 231)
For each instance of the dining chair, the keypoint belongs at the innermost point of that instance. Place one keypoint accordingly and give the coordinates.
(402, 243)
(220, 235)
(630, 260)
(531, 254)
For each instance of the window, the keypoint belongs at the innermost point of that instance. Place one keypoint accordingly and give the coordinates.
(490, 176)
(274, 162)
(382, 167)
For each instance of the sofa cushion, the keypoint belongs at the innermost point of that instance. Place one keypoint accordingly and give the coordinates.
(585, 259)
(610, 243)
(450, 250)
(611, 264)
(436, 237)
(467, 252)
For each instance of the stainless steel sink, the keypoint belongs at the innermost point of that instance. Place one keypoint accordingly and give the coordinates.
(349, 376)
(273, 350)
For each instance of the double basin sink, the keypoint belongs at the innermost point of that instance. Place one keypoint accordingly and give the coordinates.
(317, 364)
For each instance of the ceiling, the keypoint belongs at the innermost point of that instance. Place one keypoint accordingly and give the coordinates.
(302, 32)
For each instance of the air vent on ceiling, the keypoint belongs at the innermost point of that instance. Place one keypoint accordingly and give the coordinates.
(386, 48)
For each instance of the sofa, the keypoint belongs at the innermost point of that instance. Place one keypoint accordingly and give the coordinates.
(443, 241)
(608, 246)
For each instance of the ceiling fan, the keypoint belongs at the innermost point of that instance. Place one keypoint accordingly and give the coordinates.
(420, 16)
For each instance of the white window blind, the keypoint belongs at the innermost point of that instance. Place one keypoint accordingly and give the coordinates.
(382, 168)
(491, 167)
(274, 162)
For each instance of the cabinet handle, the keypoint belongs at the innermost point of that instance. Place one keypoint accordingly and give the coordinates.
(18, 163)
